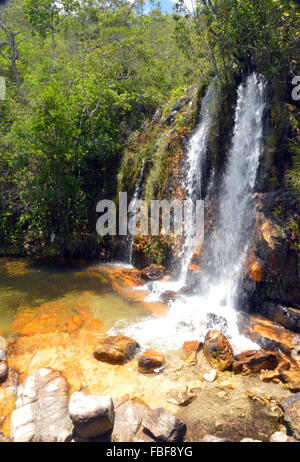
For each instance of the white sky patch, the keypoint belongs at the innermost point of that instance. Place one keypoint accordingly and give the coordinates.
(190, 5)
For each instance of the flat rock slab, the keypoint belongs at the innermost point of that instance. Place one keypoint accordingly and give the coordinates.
(252, 362)
(41, 412)
(163, 426)
(128, 419)
(116, 349)
(92, 415)
(291, 408)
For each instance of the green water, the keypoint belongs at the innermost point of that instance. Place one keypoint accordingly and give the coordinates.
(25, 283)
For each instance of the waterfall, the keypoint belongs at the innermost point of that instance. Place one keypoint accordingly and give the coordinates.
(136, 196)
(215, 305)
(196, 155)
(192, 178)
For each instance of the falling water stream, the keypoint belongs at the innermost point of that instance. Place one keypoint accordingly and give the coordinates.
(136, 196)
(215, 304)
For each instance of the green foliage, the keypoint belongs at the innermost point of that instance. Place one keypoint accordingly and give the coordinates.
(90, 73)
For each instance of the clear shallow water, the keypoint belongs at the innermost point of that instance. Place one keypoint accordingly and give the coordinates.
(25, 284)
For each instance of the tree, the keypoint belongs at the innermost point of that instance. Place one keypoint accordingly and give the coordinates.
(45, 17)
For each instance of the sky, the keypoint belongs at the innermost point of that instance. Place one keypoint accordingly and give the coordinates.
(167, 5)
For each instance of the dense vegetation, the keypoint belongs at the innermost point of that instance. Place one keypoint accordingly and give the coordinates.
(82, 76)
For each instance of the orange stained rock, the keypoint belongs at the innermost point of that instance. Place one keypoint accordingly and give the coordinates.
(193, 345)
(253, 268)
(194, 268)
(260, 328)
(128, 284)
(197, 255)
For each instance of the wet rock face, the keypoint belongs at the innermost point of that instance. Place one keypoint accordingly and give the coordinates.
(286, 316)
(162, 426)
(274, 261)
(252, 362)
(3, 371)
(116, 349)
(128, 419)
(153, 272)
(218, 350)
(91, 415)
(149, 361)
(291, 408)
(41, 412)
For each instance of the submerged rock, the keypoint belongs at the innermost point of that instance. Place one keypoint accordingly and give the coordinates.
(291, 408)
(169, 296)
(153, 272)
(150, 361)
(41, 410)
(163, 426)
(91, 415)
(3, 371)
(180, 396)
(218, 350)
(252, 362)
(116, 349)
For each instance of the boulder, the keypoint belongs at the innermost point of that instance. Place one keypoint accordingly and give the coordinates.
(150, 361)
(252, 362)
(92, 415)
(279, 437)
(116, 349)
(163, 426)
(291, 408)
(128, 419)
(214, 439)
(3, 371)
(218, 350)
(41, 410)
(153, 272)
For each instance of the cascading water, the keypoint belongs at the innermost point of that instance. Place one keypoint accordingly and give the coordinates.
(196, 155)
(190, 317)
(192, 176)
(136, 196)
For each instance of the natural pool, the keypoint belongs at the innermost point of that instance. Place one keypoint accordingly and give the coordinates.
(33, 285)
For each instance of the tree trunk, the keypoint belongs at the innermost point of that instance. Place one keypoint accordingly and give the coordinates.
(53, 43)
